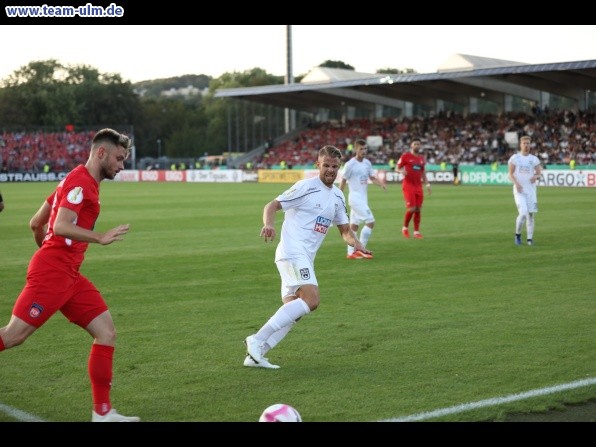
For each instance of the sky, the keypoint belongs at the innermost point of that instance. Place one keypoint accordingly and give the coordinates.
(146, 52)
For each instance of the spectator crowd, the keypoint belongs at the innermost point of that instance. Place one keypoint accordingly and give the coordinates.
(558, 137)
(43, 151)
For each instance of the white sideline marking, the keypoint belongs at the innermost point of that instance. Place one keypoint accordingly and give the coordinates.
(18, 414)
(491, 402)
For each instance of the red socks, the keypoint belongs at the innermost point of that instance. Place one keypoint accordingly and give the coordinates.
(416, 221)
(408, 218)
(100, 374)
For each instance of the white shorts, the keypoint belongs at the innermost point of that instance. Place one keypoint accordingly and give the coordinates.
(526, 202)
(295, 273)
(360, 213)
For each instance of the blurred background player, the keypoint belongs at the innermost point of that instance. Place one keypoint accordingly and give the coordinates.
(412, 166)
(524, 172)
(356, 173)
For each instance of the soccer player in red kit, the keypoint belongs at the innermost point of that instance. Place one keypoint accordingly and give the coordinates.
(63, 228)
(411, 166)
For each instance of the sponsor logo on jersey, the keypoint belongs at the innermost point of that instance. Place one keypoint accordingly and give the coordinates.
(322, 224)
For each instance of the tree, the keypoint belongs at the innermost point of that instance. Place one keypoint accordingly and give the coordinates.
(336, 64)
(47, 93)
(37, 90)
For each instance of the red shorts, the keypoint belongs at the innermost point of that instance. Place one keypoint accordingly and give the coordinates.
(49, 290)
(413, 197)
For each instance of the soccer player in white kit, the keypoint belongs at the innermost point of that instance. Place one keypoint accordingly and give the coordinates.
(356, 173)
(524, 172)
(311, 206)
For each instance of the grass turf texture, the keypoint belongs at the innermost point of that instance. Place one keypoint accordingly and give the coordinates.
(461, 316)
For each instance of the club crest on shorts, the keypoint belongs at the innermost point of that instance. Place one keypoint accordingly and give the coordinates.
(305, 273)
(35, 310)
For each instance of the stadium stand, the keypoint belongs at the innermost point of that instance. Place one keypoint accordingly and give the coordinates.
(41, 152)
(558, 137)
(449, 135)
(463, 84)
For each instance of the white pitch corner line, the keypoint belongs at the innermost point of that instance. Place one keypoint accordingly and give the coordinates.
(19, 415)
(492, 402)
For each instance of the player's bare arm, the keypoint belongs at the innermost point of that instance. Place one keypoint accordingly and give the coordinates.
(518, 186)
(377, 181)
(350, 238)
(65, 226)
(427, 183)
(342, 184)
(39, 221)
(268, 230)
(537, 173)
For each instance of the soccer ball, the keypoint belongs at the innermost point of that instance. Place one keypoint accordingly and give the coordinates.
(280, 413)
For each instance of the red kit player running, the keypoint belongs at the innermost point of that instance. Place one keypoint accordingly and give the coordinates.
(63, 228)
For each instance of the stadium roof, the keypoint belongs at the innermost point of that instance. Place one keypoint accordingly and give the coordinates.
(461, 78)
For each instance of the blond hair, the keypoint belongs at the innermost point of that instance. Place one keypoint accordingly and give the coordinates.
(329, 151)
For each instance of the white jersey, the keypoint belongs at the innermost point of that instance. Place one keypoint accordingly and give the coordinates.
(310, 208)
(357, 174)
(524, 170)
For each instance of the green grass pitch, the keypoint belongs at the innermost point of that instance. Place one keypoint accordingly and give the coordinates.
(459, 317)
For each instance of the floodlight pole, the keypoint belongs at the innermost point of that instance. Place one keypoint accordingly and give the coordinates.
(290, 115)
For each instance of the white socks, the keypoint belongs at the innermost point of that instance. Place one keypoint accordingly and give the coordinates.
(285, 316)
(530, 226)
(519, 223)
(365, 235)
(527, 219)
(276, 337)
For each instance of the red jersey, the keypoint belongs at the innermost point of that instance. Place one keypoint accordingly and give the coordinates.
(79, 192)
(414, 166)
